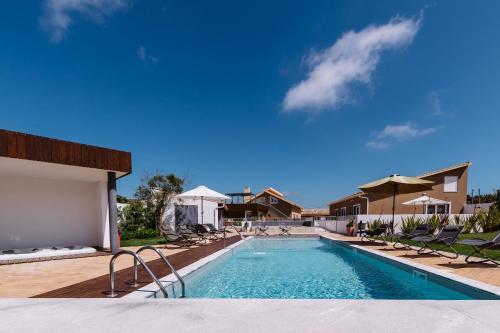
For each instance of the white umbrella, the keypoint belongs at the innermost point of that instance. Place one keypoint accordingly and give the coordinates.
(423, 200)
(203, 193)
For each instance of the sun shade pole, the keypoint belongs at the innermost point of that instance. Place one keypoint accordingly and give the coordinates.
(394, 206)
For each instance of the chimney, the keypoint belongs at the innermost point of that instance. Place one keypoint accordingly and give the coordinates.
(246, 198)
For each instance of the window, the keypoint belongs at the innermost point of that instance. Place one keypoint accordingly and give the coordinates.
(273, 200)
(450, 184)
(261, 200)
(343, 211)
(356, 209)
(337, 212)
(438, 209)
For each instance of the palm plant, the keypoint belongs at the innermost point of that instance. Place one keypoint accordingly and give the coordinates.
(409, 223)
(375, 224)
(489, 221)
(434, 222)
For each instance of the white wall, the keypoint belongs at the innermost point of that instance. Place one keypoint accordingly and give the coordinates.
(209, 207)
(38, 212)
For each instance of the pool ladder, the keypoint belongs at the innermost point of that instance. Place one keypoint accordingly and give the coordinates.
(138, 259)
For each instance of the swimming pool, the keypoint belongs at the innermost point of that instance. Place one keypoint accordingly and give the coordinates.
(317, 268)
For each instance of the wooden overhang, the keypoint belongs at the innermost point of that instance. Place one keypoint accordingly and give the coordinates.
(42, 149)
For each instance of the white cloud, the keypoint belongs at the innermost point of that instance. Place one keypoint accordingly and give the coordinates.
(57, 15)
(435, 100)
(397, 133)
(141, 53)
(352, 59)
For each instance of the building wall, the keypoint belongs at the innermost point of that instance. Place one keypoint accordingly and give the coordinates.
(284, 207)
(382, 203)
(36, 212)
(349, 204)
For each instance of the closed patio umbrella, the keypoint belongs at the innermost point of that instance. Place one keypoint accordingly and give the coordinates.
(203, 193)
(396, 184)
(423, 200)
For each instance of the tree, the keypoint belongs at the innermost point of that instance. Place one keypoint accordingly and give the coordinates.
(121, 199)
(157, 192)
(133, 217)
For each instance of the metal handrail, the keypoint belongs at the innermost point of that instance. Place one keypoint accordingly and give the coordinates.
(237, 231)
(136, 258)
(149, 247)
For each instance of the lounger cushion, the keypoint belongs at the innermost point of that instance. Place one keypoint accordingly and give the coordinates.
(475, 242)
(423, 239)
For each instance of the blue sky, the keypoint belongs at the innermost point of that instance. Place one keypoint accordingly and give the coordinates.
(310, 97)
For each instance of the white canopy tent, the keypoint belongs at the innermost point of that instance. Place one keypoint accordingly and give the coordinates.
(203, 193)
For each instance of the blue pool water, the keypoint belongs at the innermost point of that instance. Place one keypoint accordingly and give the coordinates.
(316, 268)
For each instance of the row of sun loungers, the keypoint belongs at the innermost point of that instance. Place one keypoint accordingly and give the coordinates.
(445, 239)
(189, 235)
(284, 230)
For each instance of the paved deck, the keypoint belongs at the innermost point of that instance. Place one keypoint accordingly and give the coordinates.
(226, 315)
(88, 277)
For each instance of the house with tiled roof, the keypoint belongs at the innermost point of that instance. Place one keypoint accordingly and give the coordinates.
(269, 204)
(450, 185)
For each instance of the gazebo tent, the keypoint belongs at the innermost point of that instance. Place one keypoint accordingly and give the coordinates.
(203, 193)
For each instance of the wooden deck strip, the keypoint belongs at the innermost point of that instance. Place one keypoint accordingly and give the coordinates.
(97, 287)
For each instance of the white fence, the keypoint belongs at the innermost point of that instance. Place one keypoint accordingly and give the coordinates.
(397, 218)
(339, 225)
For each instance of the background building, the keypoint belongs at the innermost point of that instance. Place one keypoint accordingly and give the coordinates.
(450, 185)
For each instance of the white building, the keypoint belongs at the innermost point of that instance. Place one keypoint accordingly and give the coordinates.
(57, 193)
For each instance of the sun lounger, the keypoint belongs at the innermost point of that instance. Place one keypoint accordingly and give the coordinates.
(171, 237)
(446, 238)
(203, 232)
(420, 230)
(479, 245)
(185, 231)
(214, 230)
(262, 230)
(285, 230)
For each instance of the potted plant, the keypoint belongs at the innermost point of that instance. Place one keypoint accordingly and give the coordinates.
(350, 227)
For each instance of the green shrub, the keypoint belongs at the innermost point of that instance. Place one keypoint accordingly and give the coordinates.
(434, 222)
(134, 217)
(408, 224)
(139, 233)
(490, 221)
(468, 222)
(375, 224)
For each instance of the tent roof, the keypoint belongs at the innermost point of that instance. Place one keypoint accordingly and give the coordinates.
(203, 192)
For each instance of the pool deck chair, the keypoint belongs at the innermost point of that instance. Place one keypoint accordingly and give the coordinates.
(375, 234)
(479, 245)
(261, 230)
(214, 230)
(361, 229)
(189, 234)
(285, 230)
(171, 237)
(420, 230)
(446, 238)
